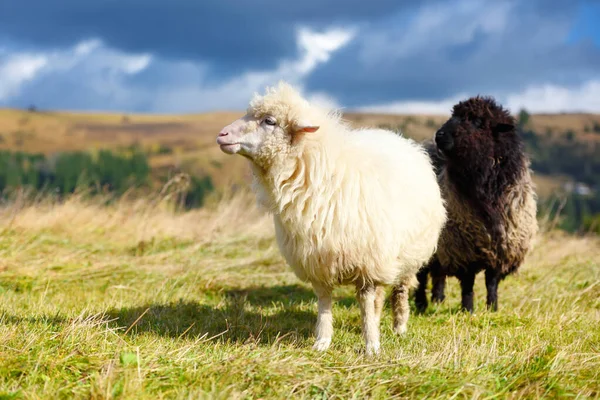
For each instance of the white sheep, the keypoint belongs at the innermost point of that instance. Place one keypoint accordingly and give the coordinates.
(350, 206)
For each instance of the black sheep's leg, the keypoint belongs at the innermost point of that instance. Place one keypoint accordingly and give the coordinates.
(492, 279)
(439, 286)
(438, 279)
(421, 292)
(467, 280)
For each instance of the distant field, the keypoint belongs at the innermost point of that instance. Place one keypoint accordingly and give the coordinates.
(191, 138)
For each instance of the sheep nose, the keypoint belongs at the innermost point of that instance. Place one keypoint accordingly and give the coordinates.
(444, 141)
(222, 133)
(441, 135)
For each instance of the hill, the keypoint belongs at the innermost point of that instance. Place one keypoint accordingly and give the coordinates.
(187, 142)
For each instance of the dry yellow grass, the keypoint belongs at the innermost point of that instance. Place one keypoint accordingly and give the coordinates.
(134, 300)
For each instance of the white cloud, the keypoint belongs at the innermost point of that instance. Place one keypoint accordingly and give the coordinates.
(315, 48)
(18, 70)
(93, 56)
(98, 77)
(429, 29)
(324, 100)
(547, 98)
(97, 67)
(86, 47)
(134, 64)
(552, 98)
(414, 107)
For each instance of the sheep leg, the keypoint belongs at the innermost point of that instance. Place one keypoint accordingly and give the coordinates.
(366, 295)
(400, 306)
(421, 292)
(467, 280)
(324, 328)
(438, 280)
(491, 283)
(439, 286)
(379, 300)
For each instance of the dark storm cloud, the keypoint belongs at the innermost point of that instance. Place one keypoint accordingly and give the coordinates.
(529, 47)
(213, 54)
(232, 35)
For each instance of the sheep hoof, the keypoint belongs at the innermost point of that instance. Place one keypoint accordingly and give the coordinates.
(322, 344)
(372, 349)
(400, 329)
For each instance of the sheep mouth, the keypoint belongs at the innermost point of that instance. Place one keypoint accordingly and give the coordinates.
(230, 148)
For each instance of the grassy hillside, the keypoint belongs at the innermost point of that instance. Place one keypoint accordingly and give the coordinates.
(188, 142)
(134, 301)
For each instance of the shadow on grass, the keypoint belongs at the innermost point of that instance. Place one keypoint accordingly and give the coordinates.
(262, 315)
(50, 320)
(264, 296)
(231, 323)
(448, 308)
(284, 313)
(259, 314)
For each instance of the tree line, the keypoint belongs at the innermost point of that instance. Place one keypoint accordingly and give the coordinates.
(560, 154)
(113, 171)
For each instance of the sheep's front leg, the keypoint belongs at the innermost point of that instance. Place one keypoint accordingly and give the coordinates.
(324, 329)
(400, 306)
(367, 294)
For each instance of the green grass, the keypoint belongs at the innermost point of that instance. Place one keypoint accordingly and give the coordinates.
(95, 303)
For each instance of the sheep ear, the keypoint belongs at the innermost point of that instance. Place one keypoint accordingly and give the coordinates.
(500, 128)
(309, 129)
(304, 126)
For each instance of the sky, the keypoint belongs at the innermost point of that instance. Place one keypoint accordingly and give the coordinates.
(396, 56)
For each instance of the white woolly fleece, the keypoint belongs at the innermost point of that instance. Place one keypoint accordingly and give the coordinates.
(348, 205)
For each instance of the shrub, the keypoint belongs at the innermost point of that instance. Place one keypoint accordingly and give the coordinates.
(523, 117)
(198, 190)
(570, 135)
(65, 172)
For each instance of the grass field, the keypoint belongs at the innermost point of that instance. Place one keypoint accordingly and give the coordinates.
(133, 300)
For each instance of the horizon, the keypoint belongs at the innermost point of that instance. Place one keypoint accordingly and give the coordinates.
(241, 111)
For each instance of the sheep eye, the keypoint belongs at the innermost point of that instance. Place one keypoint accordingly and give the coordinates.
(477, 122)
(270, 121)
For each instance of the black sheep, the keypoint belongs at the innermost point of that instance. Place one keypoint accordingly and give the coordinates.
(486, 182)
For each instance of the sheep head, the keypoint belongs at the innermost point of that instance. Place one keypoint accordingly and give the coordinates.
(272, 127)
(479, 131)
